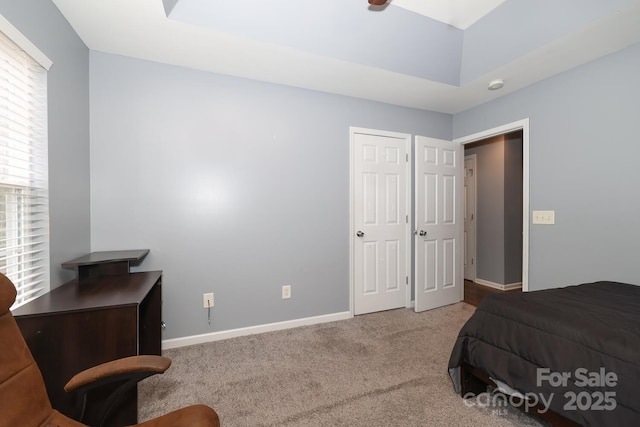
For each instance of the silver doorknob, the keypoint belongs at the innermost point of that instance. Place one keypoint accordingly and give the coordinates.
(422, 233)
(359, 233)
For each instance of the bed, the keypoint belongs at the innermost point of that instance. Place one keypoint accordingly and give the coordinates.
(575, 350)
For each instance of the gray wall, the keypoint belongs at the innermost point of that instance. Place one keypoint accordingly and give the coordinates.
(583, 152)
(490, 237)
(68, 105)
(237, 187)
(513, 208)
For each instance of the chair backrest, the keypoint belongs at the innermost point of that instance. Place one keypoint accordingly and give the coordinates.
(23, 396)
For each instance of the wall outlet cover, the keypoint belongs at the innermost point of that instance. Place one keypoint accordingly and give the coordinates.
(286, 291)
(207, 300)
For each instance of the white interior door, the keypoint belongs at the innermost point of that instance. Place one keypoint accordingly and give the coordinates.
(470, 217)
(380, 229)
(439, 247)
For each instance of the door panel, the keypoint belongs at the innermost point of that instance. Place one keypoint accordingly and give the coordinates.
(429, 264)
(439, 223)
(379, 173)
(470, 217)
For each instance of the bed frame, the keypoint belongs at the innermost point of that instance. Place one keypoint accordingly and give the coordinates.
(475, 381)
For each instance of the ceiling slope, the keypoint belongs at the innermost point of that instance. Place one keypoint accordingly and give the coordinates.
(142, 29)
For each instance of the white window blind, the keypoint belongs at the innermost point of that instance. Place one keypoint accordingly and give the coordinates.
(24, 205)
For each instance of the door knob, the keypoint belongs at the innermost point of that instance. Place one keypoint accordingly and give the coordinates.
(359, 233)
(422, 233)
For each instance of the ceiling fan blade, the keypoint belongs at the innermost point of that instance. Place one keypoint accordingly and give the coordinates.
(377, 2)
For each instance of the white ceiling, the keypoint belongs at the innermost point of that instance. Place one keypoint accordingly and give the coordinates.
(459, 13)
(141, 29)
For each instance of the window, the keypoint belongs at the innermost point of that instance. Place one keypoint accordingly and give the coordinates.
(24, 206)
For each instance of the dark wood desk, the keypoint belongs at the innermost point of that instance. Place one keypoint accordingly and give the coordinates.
(82, 324)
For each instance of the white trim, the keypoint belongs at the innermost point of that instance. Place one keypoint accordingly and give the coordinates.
(251, 330)
(507, 287)
(500, 130)
(408, 200)
(18, 38)
(488, 283)
(512, 286)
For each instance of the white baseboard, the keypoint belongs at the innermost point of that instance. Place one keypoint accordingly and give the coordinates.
(507, 287)
(512, 286)
(250, 330)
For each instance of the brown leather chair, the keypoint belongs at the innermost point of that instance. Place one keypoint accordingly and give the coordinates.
(23, 398)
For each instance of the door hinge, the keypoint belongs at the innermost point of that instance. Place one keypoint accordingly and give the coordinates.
(406, 280)
(406, 156)
(407, 219)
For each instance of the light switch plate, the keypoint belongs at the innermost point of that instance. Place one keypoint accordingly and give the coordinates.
(544, 217)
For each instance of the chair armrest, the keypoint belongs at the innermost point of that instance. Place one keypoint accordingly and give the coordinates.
(119, 368)
(124, 373)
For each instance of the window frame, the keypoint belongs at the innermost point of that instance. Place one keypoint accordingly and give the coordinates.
(24, 186)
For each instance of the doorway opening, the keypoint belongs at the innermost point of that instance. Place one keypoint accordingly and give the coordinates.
(501, 207)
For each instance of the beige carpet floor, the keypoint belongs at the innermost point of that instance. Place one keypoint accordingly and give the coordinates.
(380, 369)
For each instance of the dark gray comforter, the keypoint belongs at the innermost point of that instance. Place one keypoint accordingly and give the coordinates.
(577, 346)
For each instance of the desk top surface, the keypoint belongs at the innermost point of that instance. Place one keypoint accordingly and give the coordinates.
(104, 292)
(133, 256)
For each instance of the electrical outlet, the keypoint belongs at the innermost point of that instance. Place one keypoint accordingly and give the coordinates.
(286, 291)
(207, 300)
